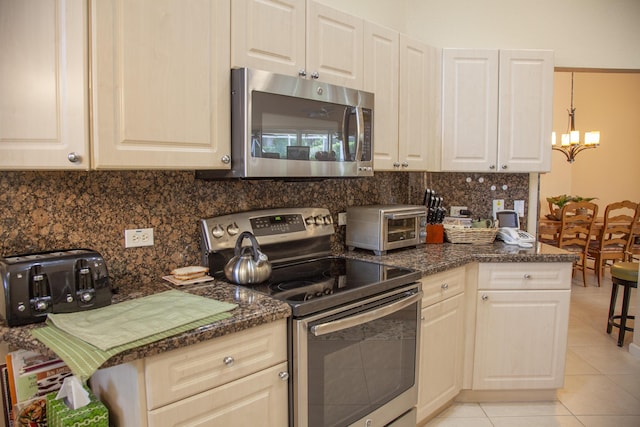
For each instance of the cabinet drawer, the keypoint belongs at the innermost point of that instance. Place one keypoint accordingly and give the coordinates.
(525, 275)
(442, 285)
(177, 374)
(258, 399)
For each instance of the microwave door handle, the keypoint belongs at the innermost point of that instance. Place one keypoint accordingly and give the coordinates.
(346, 119)
(368, 316)
(360, 133)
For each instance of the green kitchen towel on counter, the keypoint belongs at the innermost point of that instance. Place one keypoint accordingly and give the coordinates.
(84, 359)
(133, 320)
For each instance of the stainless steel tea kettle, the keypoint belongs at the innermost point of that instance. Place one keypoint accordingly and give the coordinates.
(249, 265)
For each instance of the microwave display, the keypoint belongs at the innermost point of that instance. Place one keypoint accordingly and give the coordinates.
(289, 128)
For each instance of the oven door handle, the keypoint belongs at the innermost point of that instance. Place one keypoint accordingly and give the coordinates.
(348, 322)
(404, 215)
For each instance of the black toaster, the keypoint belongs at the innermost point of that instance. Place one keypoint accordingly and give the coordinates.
(61, 281)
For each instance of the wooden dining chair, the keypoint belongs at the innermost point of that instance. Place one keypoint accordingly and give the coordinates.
(612, 240)
(633, 247)
(577, 220)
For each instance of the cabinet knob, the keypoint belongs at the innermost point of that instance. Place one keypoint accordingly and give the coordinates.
(405, 164)
(302, 73)
(396, 164)
(284, 375)
(504, 167)
(226, 159)
(492, 167)
(315, 75)
(74, 157)
(527, 276)
(445, 286)
(485, 297)
(228, 361)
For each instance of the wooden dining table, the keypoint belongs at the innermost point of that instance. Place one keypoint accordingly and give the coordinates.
(548, 226)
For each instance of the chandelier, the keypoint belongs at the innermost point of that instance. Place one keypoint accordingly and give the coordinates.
(570, 143)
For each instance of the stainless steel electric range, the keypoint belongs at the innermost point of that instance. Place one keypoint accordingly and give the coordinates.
(355, 328)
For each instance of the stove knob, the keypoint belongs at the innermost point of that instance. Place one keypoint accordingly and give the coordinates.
(328, 220)
(319, 220)
(217, 231)
(233, 229)
(310, 220)
(86, 297)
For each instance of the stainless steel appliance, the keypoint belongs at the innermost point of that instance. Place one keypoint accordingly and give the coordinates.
(355, 328)
(61, 281)
(385, 227)
(289, 127)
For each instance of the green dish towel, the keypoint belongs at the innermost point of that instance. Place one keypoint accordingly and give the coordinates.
(133, 320)
(84, 358)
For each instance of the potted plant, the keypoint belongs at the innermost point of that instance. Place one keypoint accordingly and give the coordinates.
(561, 201)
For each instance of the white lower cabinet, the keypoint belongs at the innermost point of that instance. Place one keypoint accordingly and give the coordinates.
(233, 380)
(521, 326)
(442, 341)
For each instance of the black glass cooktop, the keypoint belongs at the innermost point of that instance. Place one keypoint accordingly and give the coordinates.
(319, 284)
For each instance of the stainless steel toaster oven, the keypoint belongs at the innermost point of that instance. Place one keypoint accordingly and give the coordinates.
(386, 227)
(61, 281)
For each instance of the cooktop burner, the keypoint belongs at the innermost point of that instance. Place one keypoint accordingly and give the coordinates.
(318, 284)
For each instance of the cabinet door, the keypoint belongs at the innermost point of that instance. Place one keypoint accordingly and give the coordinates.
(44, 110)
(441, 354)
(334, 46)
(258, 399)
(470, 110)
(268, 35)
(525, 116)
(161, 84)
(418, 93)
(381, 62)
(521, 339)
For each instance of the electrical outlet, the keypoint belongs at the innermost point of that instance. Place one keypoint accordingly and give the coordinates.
(498, 205)
(138, 237)
(455, 210)
(518, 206)
(342, 218)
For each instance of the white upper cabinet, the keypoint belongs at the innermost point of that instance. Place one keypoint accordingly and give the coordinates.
(497, 110)
(269, 35)
(44, 110)
(160, 75)
(298, 37)
(381, 69)
(419, 129)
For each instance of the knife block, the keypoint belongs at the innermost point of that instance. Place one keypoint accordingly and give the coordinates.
(435, 233)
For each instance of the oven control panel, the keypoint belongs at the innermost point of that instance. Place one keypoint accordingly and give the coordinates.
(269, 226)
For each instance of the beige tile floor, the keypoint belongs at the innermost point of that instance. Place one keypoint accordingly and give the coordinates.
(602, 380)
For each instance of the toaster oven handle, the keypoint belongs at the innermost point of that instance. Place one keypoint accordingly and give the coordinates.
(367, 316)
(405, 214)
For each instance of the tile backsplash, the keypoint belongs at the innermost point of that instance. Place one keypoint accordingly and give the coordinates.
(46, 210)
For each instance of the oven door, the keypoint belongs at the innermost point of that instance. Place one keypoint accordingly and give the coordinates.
(358, 362)
(402, 229)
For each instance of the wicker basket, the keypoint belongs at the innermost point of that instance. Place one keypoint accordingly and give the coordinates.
(470, 235)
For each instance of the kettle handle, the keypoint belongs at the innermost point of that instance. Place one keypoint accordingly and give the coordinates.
(254, 245)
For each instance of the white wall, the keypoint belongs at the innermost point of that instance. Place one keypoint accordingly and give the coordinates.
(583, 33)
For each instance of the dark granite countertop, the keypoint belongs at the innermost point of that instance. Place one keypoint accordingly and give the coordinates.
(255, 309)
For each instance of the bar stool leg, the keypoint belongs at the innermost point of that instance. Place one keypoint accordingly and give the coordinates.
(612, 306)
(623, 316)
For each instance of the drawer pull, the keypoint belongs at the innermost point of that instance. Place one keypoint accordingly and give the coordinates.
(445, 286)
(284, 375)
(527, 276)
(228, 361)
(485, 297)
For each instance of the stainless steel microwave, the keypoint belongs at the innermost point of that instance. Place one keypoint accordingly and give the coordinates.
(290, 127)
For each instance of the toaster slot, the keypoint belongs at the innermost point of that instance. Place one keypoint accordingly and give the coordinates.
(39, 290)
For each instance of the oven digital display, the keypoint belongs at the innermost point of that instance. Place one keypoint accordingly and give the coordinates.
(277, 224)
